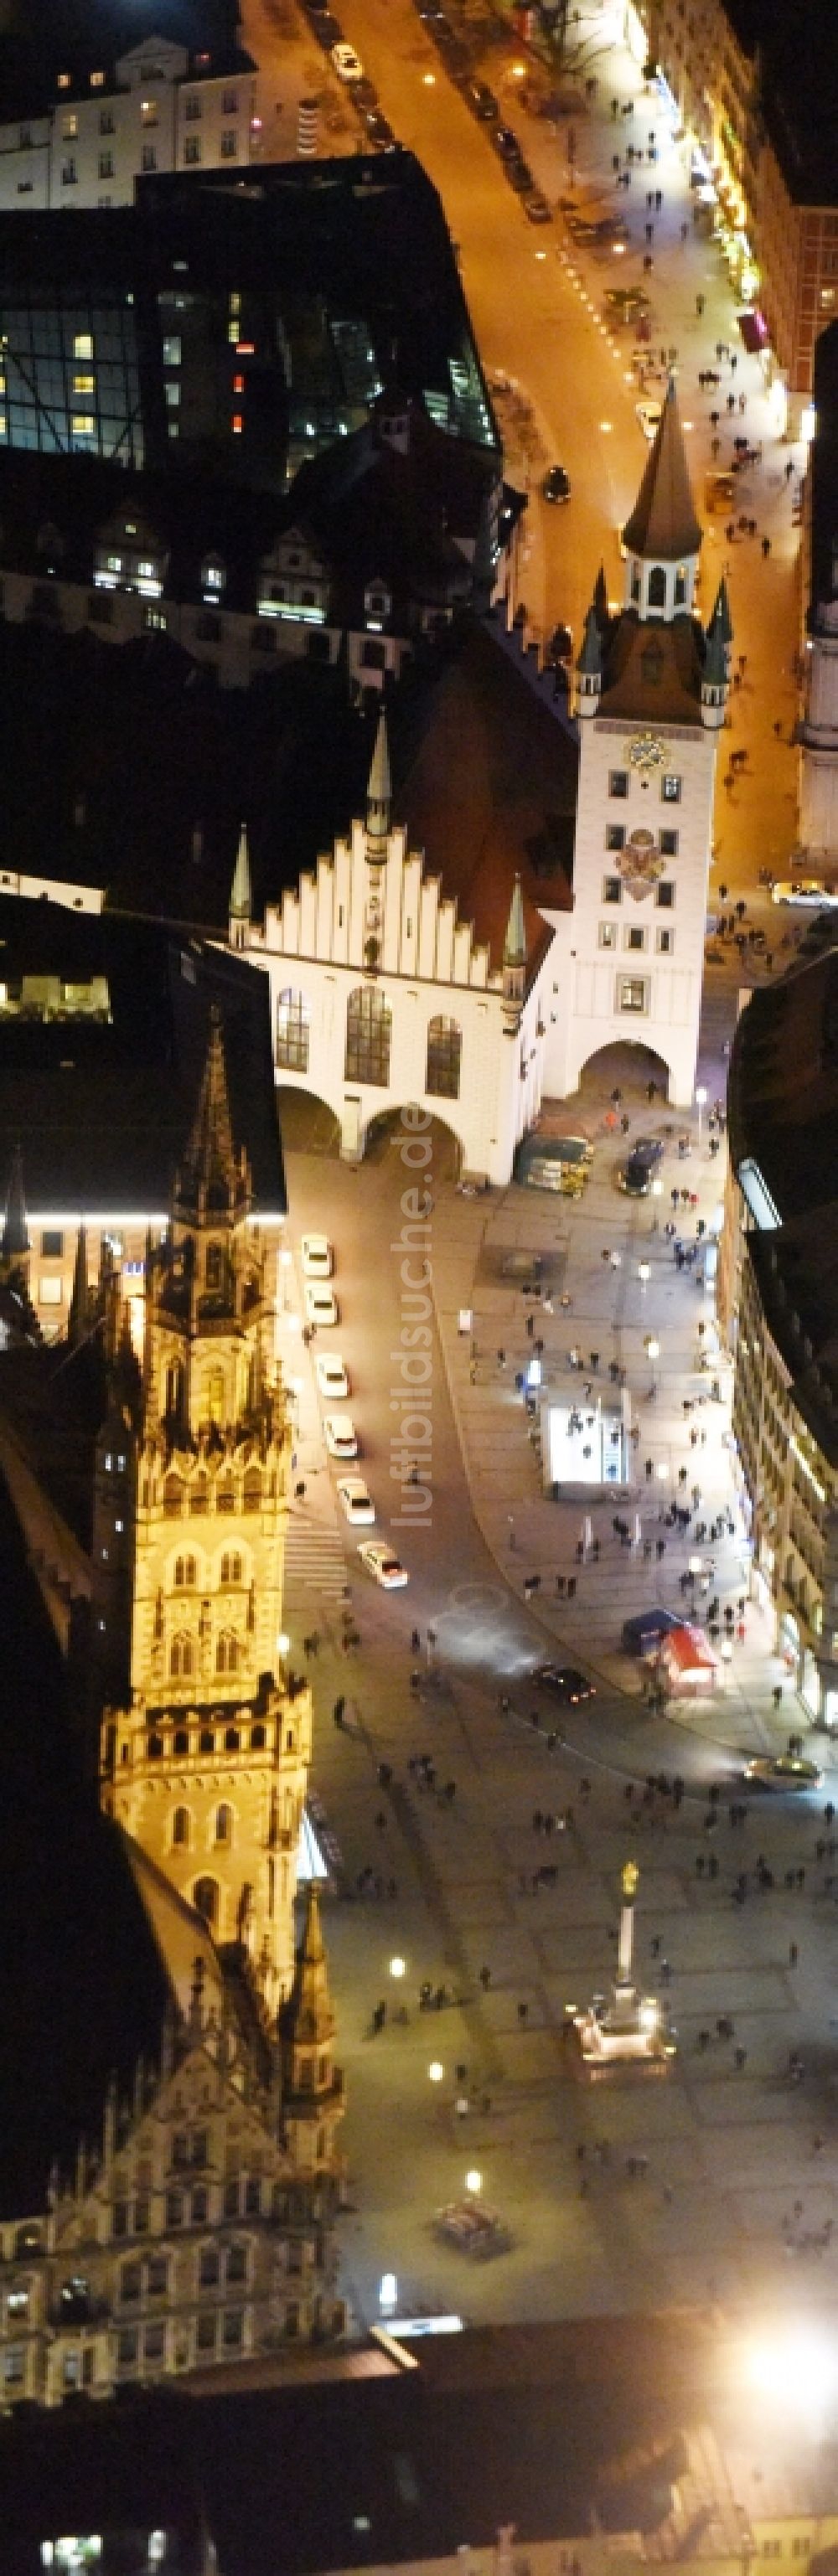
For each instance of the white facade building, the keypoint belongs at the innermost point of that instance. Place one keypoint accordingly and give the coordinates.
(652, 690)
(381, 996)
(165, 110)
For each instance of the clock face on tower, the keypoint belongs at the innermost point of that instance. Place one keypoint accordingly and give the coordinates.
(645, 752)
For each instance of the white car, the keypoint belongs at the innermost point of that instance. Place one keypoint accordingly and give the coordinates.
(340, 1435)
(332, 1376)
(346, 63)
(354, 1500)
(806, 890)
(321, 1305)
(381, 1563)
(648, 414)
(318, 1257)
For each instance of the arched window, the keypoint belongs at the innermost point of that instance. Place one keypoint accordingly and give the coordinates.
(657, 587)
(207, 1740)
(231, 1739)
(445, 1045)
(182, 1828)
(180, 1740)
(198, 1495)
(224, 1824)
(369, 1023)
(227, 1653)
(172, 1498)
(214, 1395)
(680, 586)
(205, 1899)
(231, 1571)
(182, 1659)
(214, 1266)
(292, 1027)
(252, 1490)
(186, 1574)
(257, 1738)
(225, 1495)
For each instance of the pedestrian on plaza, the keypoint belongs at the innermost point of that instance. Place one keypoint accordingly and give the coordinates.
(658, 201)
(523, 2010)
(650, 196)
(777, 1694)
(766, 549)
(337, 1712)
(734, 362)
(501, 1359)
(615, 161)
(647, 262)
(740, 2059)
(649, 231)
(793, 1954)
(731, 402)
(699, 305)
(649, 1470)
(685, 230)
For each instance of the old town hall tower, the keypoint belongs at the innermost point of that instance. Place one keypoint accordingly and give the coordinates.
(206, 1769)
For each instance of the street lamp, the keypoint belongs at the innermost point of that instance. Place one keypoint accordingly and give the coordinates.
(398, 1967)
(474, 2180)
(652, 1349)
(283, 1644)
(644, 1275)
(388, 2298)
(701, 1104)
(436, 2071)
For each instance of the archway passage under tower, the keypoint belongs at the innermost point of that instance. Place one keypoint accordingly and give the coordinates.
(396, 1129)
(307, 1125)
(625, 1067)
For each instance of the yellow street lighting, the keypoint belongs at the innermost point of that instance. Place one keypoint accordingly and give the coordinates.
(436, 2071)
(397, 1967)
(474, 2180)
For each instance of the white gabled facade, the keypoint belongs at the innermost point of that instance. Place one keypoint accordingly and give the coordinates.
(165, 111)
(382, 996)
(651, 696)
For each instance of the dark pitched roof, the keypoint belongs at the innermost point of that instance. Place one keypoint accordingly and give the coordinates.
(487, 787)
(663, 526)
(103, 1108)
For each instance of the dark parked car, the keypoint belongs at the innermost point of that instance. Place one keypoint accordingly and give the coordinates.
(536, 208)
(635, 1174)
(519, 176)
(505, 142)
(379, 132)
(364, 93)
(556, 484)
(482, 101)
(568, 1684)
(326, 29)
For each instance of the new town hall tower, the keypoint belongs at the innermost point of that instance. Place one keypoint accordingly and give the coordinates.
(207, 1767)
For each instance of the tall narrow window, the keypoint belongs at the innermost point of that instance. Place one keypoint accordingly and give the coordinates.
(182, 1659)
(445, 1045)
(205, 1899)
(292, 1031)
(369, 1023)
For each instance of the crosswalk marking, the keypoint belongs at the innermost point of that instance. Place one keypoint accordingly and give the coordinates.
(314, 1561)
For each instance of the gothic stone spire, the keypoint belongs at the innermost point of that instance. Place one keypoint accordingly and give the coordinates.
(663, 524)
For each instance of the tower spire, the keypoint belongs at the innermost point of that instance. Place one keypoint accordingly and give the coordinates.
(15, 1244)
(211, 1181)
(79, 1316)
(515, 943)
(663, 525)
(379, 794)
(241, 891)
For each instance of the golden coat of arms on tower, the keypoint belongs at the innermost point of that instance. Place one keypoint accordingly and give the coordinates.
(640, 864)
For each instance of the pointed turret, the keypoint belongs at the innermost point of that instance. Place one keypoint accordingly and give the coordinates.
(212, 1181)
(80, 1315)
(601, 608)
(312, 2090)
(514, 963)
(14, 1244)
(715, 677)
(515, 943)
(241, 892)
(662, 536)
(663, 523)
(589, 664)
(379, 794)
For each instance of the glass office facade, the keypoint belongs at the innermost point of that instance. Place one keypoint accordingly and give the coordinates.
(70, 377)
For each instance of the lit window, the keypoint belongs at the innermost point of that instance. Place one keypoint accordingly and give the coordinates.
(84, 384)
(670, 789)
(238, 384)
(172, 349)
(97, 80)
(173, 397)
(148, 111)
(237, 424)
(608, 934)
(83, 424)
(632, 993)
(50, 1292)
(70, 128)
(83, 344)
(63, 80)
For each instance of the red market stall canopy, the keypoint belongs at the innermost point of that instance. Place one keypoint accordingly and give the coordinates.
(753, 330)
(687, 1658)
